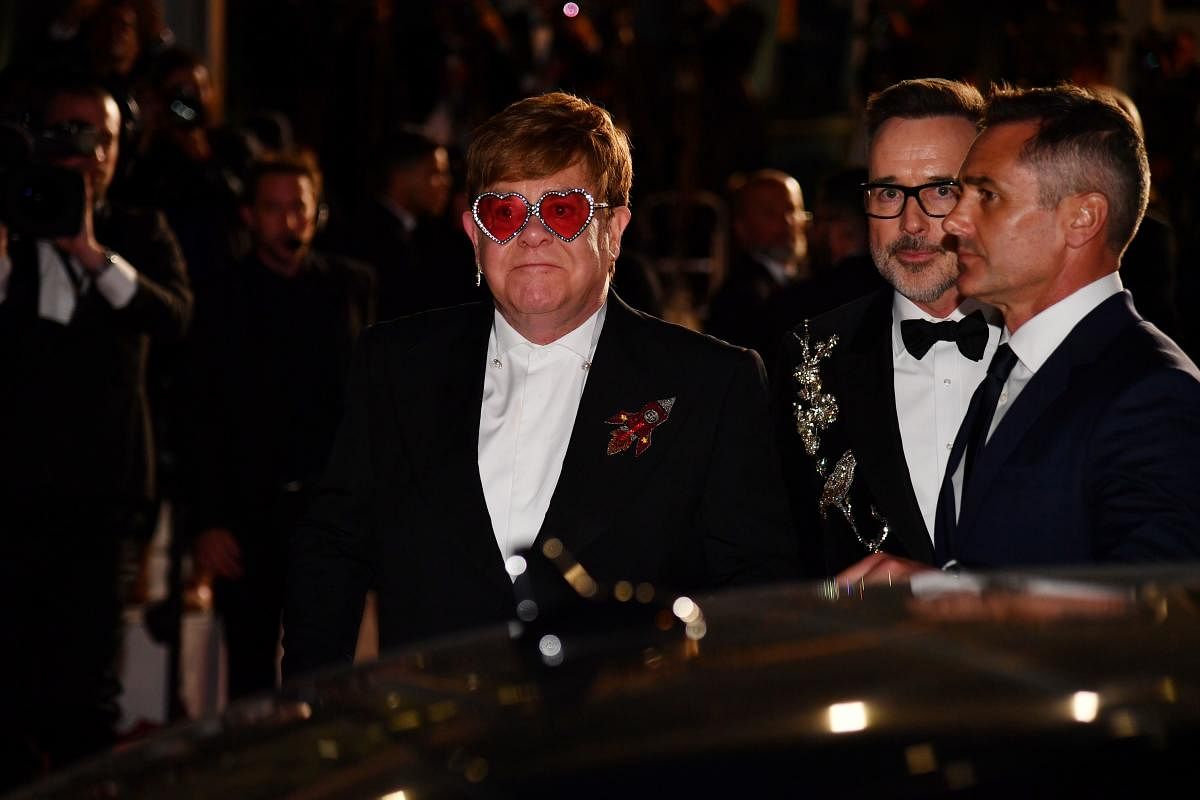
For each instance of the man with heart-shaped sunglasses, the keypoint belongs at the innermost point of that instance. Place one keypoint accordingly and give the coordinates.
(555, 420)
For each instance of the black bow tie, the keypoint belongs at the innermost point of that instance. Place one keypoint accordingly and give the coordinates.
(970, 334)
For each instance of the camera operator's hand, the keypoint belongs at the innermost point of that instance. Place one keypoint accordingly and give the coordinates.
(83, 245)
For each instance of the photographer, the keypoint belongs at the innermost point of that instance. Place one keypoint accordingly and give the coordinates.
(189, 166)
(78, 316)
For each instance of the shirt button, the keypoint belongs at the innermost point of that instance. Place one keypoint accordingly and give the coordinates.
(946, 381)
(949, 445)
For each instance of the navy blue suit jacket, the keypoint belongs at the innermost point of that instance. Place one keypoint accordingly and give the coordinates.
(1098, 458)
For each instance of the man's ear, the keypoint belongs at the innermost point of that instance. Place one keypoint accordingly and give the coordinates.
(472, 230)
(1086, 218)
(618, 220)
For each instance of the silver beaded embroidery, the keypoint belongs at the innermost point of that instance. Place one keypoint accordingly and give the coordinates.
(815, 411)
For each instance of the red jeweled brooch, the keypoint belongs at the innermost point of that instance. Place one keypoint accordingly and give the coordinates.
(637, 426)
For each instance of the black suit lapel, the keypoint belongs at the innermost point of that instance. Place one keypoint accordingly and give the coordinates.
(1090, 337)
(441, 421)
(873, 429)
(591, 482)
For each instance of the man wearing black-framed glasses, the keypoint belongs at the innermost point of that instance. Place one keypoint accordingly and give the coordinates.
(899, 365)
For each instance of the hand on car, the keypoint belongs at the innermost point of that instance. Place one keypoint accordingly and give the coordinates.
(882, 568)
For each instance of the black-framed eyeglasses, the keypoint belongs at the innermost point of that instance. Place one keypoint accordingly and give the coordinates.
(886, 200)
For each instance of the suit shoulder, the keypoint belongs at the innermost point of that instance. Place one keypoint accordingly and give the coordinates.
(848, 316)
(678, 339)
(348, 271)
(844, 321)
(434, 326)
(346, 264)
(1143, 350)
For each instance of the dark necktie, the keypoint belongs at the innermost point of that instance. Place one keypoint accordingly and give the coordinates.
(971, 437)
(970, 334)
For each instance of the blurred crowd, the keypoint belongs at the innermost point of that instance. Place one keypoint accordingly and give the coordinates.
(265, 222)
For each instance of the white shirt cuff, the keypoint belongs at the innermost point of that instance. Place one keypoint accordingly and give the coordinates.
(118, 284)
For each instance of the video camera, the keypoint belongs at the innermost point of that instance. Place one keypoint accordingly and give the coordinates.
(38, 199)
(186, 110)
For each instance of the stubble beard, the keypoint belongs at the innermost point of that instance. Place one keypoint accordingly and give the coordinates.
(920, 283)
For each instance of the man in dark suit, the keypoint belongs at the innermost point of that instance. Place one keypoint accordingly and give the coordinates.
(271, 350)
(770, 254)
(1093, 448)
(1082, 444)
(421, 259)
(78, 317)
(870, 395)
(556, 419)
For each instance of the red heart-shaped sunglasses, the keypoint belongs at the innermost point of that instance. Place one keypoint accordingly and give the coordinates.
(564, 213)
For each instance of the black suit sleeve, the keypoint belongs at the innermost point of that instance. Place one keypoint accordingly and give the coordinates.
(331, 559)
(162, 304)
(1143, 494)
(744, 513)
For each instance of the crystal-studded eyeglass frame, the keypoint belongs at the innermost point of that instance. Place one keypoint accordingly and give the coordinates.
(535, 210)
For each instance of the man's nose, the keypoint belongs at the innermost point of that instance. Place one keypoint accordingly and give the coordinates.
(535, 233)
(913, 218)
(957, 223)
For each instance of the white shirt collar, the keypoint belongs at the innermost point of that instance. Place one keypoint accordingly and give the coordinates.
(777, 269)
(904, 309)
(1038, 338)
(581, 341)
(406, 217)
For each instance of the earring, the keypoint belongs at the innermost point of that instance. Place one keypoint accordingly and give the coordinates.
(478, 274)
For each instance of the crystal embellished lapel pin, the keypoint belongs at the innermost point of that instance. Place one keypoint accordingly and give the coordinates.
(815, 410)
(636, 427)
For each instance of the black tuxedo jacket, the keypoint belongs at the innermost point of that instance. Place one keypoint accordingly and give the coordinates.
(402, 506)
(74, 400)
(1098, 459)
(264, 385)
(858, 373)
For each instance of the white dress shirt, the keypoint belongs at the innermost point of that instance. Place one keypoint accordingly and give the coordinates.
(59, 293)
(932, 395)
(1034, 343)
(531, 395)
